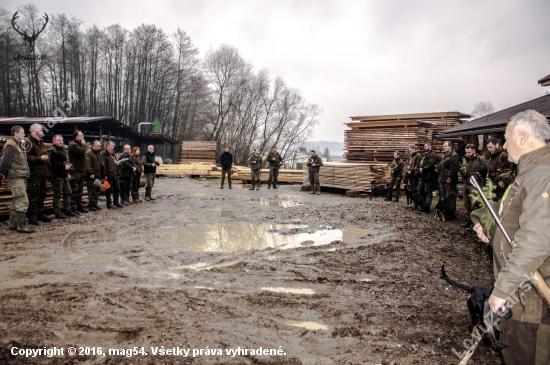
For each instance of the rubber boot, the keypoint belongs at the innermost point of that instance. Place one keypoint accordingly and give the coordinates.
(33, 220)
(150, 194)
(252, 188)
(147, 193)
(22, 226)
(13, 220)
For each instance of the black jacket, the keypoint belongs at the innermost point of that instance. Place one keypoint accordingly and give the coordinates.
(226, 160)
(59, 159)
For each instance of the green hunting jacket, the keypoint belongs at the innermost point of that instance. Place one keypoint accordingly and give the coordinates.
(77, 156)
(276, 156)
(524, 211)
(255, 162)
(476, 165)
(450, 164)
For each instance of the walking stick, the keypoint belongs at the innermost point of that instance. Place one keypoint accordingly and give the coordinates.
(536, 280)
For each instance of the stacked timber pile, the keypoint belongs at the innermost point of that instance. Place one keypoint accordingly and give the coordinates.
(287, 176)
(200, 169)
(375, 138)
(379, 144)
(351, 176)
(198, 151)
(6, 196)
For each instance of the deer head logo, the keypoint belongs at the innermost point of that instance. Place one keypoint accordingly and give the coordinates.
(29, 39)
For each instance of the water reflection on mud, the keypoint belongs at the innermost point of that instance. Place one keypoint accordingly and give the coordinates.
(236, 236)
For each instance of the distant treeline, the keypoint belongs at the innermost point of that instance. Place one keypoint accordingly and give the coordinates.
(141, 74)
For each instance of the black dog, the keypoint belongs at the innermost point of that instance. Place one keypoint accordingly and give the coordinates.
(417, 199)
(476, 300)
(440, 210)
(381, 190)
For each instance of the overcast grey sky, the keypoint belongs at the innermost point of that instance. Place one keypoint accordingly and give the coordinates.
(361, 57)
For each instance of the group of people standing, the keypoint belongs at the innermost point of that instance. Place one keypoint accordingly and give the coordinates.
(68, 169)
(422, 172)
(274, 160)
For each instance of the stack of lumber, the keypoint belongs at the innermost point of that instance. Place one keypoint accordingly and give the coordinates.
(198, 151)
(6, 197)
(201, 169)
(351, 176)
(379, 142)
(288, 176)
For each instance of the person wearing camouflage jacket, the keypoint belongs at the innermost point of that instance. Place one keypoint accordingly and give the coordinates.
(396, 167)
(255, 162)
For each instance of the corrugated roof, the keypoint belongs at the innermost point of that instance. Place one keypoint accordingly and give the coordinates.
(501, 118)
(545, 81)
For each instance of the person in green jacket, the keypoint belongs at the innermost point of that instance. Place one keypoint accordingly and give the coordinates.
(149, 168)
(523, 211)
(274, 159)
(255, 162)
(448, 178)
(472, 165)
(77, 156)
(396, 167)
(15, 168)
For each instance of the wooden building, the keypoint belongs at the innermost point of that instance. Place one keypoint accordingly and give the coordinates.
(375, 138)
(493, 125)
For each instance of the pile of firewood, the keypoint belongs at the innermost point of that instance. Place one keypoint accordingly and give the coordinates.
(198, 151)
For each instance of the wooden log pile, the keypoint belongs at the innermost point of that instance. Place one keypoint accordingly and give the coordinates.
(6, 197)
(287, 176)
(198, 151)
(351, 176)
(200, 169)
(377, 141)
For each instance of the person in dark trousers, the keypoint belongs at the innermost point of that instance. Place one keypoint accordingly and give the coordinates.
(150, 169)
(77, 156)
(501, 171)
(314, 164)
(428, 176)
(472, 165)
(448, 178)
(523, 211)
(274, 159)
(139, 174)
(127, 174)
(15, 168)
(412, 172)
(226, 161)
(61, 176)
(396, 167)
(255, 162)
(111, 176)
(95, 171)
(38, 157)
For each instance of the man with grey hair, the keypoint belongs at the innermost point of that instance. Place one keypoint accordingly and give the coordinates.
(38, 157)
(524, 211)
(150, 169)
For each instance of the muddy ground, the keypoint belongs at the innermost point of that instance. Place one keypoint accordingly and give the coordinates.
(211, 269)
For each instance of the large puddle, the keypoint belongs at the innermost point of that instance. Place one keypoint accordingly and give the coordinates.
(237, 236)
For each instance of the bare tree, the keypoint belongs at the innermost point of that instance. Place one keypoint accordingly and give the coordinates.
(482, 108)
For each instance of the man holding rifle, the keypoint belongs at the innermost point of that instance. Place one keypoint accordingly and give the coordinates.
(524, 212)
